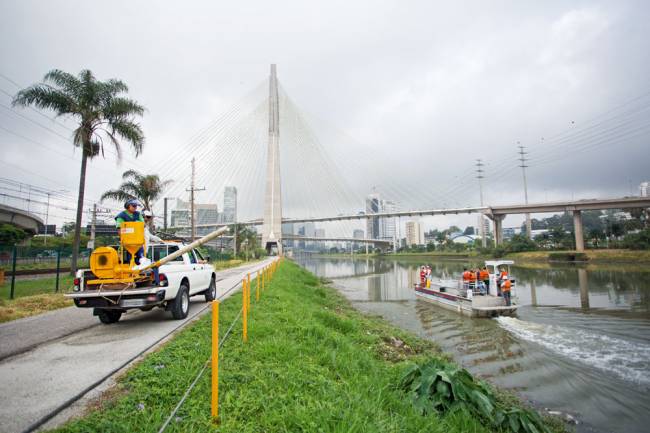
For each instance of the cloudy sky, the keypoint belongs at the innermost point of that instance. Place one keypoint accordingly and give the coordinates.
(406, 95)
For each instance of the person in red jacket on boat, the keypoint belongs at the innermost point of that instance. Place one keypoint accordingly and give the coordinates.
(423, 276)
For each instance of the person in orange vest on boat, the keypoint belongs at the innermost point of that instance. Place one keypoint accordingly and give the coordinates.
(466, 278)
(484, 276)
(472, 279)
(506, 286)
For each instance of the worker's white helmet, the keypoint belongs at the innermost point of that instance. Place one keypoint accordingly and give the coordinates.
(147, 213)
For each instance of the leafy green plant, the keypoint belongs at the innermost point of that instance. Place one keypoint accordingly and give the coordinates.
(437, 386)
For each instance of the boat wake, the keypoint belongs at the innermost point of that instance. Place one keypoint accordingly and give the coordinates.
(629, 360)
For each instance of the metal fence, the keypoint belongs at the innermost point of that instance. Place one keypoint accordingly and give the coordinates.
(27, 270)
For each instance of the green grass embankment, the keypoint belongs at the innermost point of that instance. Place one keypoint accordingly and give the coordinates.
(312, 364)
(33, 296)
(593, 256)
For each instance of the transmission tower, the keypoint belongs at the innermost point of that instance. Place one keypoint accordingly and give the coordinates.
(479, 176)
(523, 160)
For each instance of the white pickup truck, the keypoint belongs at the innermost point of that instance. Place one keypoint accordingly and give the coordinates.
(188, 275)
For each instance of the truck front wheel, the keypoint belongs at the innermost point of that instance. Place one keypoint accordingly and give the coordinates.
(109, 316)
(211, 293)
(181, 304)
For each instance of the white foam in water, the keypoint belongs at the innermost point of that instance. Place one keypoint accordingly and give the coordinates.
(627, 359)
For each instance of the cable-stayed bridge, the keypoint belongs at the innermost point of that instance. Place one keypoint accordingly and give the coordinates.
(297, 175)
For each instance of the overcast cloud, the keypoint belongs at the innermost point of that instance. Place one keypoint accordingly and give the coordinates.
(429, 86)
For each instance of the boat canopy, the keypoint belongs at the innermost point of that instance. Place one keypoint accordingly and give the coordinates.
(497, 263)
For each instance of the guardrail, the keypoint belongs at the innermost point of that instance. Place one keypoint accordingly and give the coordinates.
(261, 281)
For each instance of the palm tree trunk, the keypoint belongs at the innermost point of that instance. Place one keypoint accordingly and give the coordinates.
(80, 207)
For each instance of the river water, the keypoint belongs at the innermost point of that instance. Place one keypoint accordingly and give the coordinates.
(580, 343)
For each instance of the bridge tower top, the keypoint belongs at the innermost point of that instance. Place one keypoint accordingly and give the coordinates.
(272, 225)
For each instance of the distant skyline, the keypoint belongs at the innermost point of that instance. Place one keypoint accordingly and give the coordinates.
(418, 91)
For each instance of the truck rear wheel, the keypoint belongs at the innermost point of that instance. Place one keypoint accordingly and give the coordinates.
(211, 293)
(109, 316)
(181, 305)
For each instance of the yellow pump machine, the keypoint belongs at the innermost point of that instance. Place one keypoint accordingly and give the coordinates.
(105, 262)
(109, 269)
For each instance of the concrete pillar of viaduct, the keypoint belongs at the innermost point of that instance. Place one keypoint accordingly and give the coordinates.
(498, 227)
(577, 228)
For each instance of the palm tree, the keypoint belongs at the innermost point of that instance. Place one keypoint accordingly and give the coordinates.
(102, 113)
(146, 188)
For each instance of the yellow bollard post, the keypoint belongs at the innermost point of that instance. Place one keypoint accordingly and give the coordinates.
(257, 287)
(215, 361)
(248, 296)
(244, 312)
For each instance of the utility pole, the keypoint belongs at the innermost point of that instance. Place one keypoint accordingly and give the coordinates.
(47, 214)
(523, 160)
(91, 243)
(192, 204)
(165, 210)
(479, 176)
(234, 244)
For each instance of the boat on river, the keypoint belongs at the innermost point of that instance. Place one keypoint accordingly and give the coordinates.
(468, 298)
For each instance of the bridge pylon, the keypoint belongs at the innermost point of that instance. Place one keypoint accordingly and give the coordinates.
(272, 223)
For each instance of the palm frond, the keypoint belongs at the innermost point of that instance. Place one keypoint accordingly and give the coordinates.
(65, 81)
(117, 195)
(129, 131)
(114, 86)
(45, 97)
(122, 108)
(133, 188)
(132, 174)
(116, 145)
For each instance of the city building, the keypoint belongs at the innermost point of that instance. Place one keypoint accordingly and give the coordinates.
(319, 233)
(467, 239)
(413, 233)
(357, 234)
(373, 205)
(205, 213)
(288, 229)
(387, 225)
(644, 189)
(229, 204)
(180, 216)
(430, 237)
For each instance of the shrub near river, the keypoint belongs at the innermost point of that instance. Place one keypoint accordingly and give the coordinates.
(312, 364)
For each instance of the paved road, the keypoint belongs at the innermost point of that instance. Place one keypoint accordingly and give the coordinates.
(49, 359)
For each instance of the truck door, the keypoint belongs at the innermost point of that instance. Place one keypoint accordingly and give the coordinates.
(195, 274)
(206, 269)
